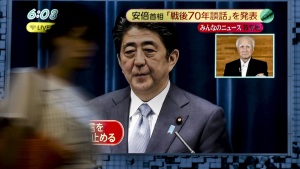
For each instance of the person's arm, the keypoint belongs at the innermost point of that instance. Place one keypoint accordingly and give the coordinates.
(266, 69)
(263, 69)
(215, 138)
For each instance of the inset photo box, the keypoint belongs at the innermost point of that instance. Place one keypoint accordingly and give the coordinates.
(238, 56)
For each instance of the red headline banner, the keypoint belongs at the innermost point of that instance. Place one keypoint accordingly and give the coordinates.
(230, 27)
(106, 132)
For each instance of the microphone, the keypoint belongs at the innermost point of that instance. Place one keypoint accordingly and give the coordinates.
(171, 129)
(240, 69)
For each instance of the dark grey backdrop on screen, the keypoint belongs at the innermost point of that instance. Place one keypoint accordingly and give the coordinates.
(256, 109)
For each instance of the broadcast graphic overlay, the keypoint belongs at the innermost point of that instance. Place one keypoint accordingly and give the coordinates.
(41, 27)
(106, 132)
(227, 51)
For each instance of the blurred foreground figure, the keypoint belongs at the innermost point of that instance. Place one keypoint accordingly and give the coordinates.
(47, 119)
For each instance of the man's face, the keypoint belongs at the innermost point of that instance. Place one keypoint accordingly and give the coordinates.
(143, 61)
(74, 51)
(245, 48)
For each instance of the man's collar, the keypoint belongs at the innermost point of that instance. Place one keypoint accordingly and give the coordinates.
(243, 63)
(155, 103)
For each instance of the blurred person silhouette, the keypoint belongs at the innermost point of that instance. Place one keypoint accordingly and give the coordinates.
(44, 104)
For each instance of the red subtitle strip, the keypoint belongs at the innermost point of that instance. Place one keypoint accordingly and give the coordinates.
(106, 132)
(230, 27)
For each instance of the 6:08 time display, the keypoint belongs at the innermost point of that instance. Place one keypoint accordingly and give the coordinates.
(43, 15)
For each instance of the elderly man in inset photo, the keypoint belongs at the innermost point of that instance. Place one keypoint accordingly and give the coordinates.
(151, 104)
(246, 65)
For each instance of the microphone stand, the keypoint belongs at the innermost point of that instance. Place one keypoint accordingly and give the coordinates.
(181, 139)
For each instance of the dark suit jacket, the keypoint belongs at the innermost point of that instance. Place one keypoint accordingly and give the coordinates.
(203, 126)
(255, 67)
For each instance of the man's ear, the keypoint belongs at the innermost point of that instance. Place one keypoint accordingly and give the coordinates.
(173, 58)
(119, 60)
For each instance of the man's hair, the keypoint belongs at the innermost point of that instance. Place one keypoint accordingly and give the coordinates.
(67, 18)
(166, 32)
(238, 40)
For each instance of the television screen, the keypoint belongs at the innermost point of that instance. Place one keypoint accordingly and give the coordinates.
(230, 78)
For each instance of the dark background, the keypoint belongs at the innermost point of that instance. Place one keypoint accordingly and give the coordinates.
(256, 109)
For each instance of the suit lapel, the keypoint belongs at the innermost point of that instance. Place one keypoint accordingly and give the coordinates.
(239, 64)
(249, 73)
(120, 112)
(160, 140)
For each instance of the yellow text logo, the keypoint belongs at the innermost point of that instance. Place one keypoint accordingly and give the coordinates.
(200, 15)
(39, 27)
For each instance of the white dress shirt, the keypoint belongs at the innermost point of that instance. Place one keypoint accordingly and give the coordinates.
(155, 104)
(244, 67)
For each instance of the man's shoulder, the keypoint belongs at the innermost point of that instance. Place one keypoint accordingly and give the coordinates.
(258, 61)
(196, 103)
(235, 62)
(110, 98)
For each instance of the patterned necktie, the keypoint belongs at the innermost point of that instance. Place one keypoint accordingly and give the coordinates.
(141, 133)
